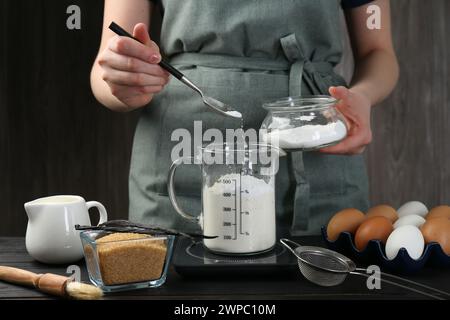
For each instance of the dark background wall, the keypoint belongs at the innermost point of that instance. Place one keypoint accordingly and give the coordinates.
(410, 156)
(56, 139)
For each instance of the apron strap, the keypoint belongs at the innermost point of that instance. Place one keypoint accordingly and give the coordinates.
(302, 70)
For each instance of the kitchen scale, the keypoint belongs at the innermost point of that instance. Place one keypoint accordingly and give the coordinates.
(193, 259)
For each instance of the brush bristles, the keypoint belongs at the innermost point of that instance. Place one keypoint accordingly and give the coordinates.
(82, 291)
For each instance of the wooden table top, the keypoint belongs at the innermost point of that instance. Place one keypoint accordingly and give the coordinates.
(13, 253)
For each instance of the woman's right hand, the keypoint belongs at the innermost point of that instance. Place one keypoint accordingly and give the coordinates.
(131, 68)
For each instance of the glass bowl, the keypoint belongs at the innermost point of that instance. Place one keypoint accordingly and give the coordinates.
(126, 261)
(303, 123)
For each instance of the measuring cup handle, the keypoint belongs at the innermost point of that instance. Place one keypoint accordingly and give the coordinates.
(172, 194)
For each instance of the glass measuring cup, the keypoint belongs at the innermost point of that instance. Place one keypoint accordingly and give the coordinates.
(238, 197)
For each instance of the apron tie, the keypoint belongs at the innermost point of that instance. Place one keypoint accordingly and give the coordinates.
(302, 70)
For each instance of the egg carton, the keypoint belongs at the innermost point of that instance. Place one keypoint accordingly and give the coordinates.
(374, 253)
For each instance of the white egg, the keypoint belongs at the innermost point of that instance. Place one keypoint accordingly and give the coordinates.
(412, 207)
(411, 220)
(408, 237)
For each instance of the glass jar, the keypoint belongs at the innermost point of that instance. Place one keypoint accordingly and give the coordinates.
(126, 261)
(303, 123)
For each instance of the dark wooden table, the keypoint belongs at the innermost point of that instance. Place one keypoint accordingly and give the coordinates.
(13, 253)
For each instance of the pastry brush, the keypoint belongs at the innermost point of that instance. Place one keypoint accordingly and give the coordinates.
(49, 283)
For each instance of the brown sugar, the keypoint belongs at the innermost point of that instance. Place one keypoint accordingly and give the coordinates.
(130, 257)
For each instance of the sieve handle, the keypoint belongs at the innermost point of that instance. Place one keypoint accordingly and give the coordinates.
(291, 245)
(403, 286)
(384, 274)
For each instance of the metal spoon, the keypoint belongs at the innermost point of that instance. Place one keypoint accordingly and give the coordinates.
(214, 104)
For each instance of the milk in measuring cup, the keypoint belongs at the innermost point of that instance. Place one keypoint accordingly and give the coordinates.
(240, 210)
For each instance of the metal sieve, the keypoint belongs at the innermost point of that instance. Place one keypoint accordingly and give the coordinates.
(329, 268)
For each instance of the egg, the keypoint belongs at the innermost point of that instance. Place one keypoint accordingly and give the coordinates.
(439, 212)
(411, 220)
(376, 228)
(412, 208)
(382, 210)
(437, 230)
(408, 237)
(347, 220)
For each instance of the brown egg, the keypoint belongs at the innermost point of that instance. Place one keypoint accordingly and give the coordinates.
(347, 220)
(382, 210)
(437, 230)
(438, 212)
(375, 228)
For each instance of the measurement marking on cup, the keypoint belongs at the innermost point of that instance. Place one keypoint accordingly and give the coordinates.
(227, 210)
(235, 208)
(240, 203)
(241, 213)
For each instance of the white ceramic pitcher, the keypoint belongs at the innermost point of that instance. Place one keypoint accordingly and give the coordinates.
(51, 236)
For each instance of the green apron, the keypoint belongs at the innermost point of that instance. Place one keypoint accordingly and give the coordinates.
(244, 53)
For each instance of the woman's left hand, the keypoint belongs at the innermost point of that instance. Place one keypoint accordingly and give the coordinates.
(356, 109)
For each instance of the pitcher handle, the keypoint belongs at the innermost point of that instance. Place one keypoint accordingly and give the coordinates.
(101, 210)
(172, 194)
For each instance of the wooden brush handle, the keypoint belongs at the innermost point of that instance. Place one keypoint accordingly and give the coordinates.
(19, 276)
(48, 283)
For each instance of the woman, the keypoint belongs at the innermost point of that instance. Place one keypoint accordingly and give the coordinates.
(245, 53)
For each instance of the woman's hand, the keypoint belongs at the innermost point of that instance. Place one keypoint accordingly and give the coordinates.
(356, 109)
(131, 68)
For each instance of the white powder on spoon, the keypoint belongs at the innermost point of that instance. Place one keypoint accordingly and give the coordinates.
(234, 114)
(308, 136)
